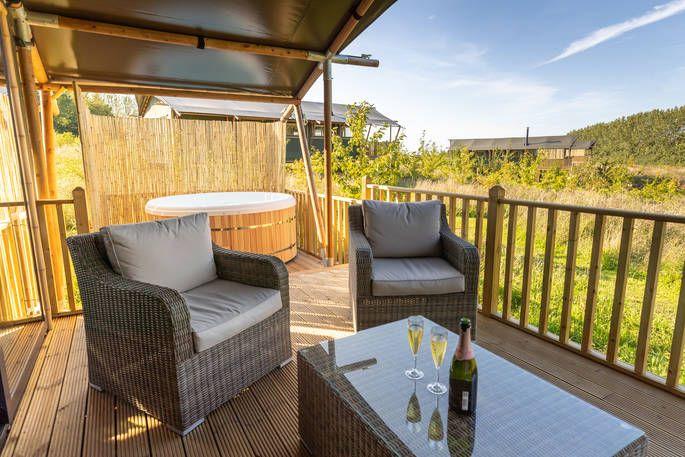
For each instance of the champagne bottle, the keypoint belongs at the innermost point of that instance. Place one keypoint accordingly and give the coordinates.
(464, 373)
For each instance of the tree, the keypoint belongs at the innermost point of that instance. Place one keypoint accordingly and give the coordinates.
(67, 120)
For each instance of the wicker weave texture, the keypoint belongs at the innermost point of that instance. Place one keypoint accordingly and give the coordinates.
(139, 341)
(445, 309)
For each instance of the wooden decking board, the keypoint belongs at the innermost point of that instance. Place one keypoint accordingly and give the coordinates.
(229, 434)
(163, 442)
(8, 336)
(15, 358)
(260, 432)
(626, 386)
(131, 432)
(46, 396)
(67, 430)
(201, 442)
(262, 421)
(24, 406)
(99, 438)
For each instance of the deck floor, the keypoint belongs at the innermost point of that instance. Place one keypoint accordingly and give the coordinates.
(61, 416)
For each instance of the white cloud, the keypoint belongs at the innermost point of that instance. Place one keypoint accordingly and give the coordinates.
(658, 13)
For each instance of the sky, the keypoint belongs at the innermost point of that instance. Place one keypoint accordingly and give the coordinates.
(473, 69)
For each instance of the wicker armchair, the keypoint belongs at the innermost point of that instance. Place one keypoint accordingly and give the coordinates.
(445, 309)
(139, 341)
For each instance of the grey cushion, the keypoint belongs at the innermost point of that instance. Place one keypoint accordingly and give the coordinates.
(414, 276)
(174, 253)
(222, 309)
(402, 229)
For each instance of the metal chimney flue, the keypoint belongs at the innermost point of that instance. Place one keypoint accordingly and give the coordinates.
(527, 132)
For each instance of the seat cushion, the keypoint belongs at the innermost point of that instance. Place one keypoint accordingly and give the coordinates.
(414, 276)
(175, 253)
(221, 309)
(402, 229)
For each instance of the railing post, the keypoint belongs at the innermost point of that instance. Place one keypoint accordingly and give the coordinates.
(80, 210)
(493, 249)
(363, 194)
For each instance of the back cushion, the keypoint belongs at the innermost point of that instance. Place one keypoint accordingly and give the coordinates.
(174, 253)
(402, 229)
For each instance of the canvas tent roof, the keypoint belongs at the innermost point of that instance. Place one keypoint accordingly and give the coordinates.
(312, 110)
(518, 143)
(301, 24)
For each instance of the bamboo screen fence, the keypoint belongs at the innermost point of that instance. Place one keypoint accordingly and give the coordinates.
(18, 288)
(131, 160)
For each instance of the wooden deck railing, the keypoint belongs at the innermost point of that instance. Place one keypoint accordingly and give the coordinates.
(470, 215)
(19, 298)
(491, 223)
(307, 240)
(71, 217)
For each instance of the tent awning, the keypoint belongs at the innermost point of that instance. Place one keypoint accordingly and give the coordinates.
(300, 24)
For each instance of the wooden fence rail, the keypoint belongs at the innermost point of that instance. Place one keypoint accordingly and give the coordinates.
(497, 290)
(19, 298)
(307, 239)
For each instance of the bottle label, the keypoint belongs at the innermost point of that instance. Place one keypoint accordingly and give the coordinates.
(464, 400)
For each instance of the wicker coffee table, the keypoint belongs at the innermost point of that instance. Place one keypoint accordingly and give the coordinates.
(354, 400)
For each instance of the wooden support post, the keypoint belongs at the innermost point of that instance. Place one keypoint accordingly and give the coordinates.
(51, 216)
(493, 250)
(24, 148)
(311, 182)
(80, 211)
(364, 192)
(328, 157)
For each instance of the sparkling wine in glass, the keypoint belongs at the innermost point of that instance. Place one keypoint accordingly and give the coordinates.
(415, 335)
(438, 349)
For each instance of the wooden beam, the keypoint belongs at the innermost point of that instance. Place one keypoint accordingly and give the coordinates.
(328, 158)
(48, 20)
(38, 68)
(285, 116)
(336, 44)
(113, 88)
(309, 173)
(24, 148)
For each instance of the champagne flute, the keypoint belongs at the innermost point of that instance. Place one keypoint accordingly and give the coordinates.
(415, 334)
(438, 349)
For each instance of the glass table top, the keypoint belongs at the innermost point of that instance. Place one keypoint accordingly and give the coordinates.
(517, 412)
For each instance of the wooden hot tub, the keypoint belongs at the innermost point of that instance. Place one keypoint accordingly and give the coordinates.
(260, 222)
